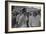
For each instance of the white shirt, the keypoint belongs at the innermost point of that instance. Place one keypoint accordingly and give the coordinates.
(34, 21)
(17, 17)
(22, 21)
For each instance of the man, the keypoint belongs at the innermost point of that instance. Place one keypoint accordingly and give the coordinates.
(14, 19)
(22, 18)
(34, 20)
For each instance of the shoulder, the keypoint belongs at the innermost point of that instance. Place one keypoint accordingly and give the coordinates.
(38, 16)
(31, 16)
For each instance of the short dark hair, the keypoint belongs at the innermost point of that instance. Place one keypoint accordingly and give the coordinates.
(23, 10)
(35, 13)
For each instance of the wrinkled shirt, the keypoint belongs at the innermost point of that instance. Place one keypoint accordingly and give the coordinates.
(22, 20)
(34, 21)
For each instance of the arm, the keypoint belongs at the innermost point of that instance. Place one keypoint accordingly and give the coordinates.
(30, 21)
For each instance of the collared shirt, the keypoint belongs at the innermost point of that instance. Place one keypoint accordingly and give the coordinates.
(21, 20)
(34, 21)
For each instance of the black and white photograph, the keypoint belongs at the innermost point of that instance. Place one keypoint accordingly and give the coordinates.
(24, 16)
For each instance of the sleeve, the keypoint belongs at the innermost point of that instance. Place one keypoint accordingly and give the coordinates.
(40, 21)
(20, 19)
(30, 21)
(17, 18)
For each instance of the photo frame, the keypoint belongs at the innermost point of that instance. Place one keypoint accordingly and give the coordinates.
(25, 9)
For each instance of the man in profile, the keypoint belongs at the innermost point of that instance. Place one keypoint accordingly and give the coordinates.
(22, 18)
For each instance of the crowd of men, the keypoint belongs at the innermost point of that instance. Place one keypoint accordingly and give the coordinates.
(26, 19)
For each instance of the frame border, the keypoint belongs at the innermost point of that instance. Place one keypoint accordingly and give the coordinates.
(6, 16)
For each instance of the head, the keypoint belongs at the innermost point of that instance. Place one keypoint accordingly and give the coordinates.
(20, 11)
(34, 14)
(39, 12)
(31, 13)
(23, 10)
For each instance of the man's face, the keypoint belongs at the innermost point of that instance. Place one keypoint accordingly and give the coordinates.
(31, 13)
(34, 14)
